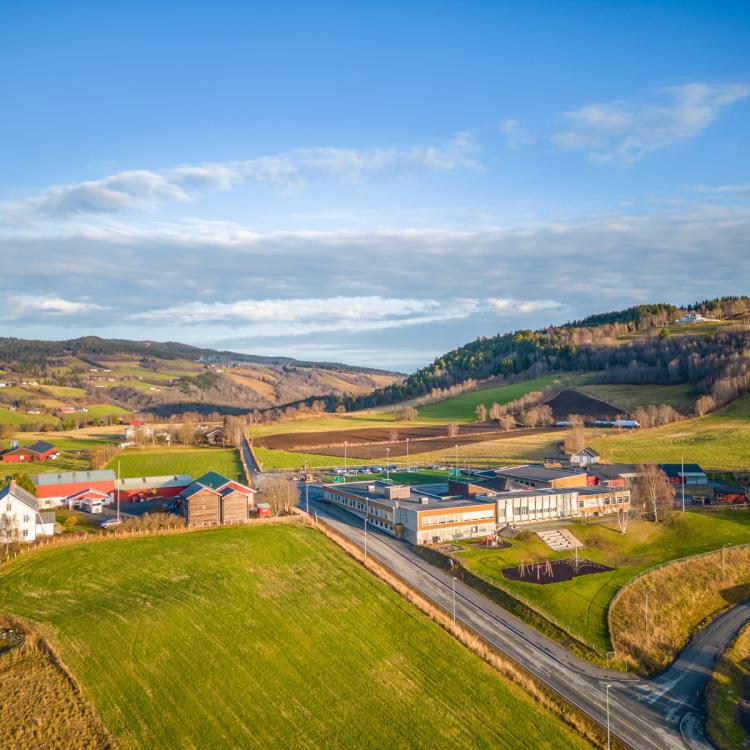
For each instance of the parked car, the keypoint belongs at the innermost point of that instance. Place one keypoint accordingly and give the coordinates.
(110, 522)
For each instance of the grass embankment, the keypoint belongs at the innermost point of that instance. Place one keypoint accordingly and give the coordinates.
(41, 708)
(463, 408)
(685, 596)
(729, 684)
(629, 397)
(262, 637)
(580, 606)
(169, 461)
(718, 441)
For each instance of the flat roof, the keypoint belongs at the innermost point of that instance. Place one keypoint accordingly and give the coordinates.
(360, 489)
(535, 492)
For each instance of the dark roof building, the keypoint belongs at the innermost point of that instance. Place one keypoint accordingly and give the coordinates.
(684, 473)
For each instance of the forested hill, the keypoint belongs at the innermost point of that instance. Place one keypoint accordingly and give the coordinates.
(636, 345)
(27, 355)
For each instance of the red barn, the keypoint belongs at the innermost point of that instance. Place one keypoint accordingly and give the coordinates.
(52, 488)
(729, 495)
(37, 451)
(150, 488)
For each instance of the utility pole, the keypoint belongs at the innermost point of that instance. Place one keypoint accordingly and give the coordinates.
(307, 499)
(387, 462)
(609, 741)
(118, 491)
(407, 455)
(345, 447)
(455, 472)
(453, 582)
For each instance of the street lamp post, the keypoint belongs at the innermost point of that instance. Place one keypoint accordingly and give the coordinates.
(387, 462)
(455, 473)
(609, 741)
(307, 499)
(367, 512)
(453, 583)
(724, 560)
(346, 473)
(407, 455)
(645, 621)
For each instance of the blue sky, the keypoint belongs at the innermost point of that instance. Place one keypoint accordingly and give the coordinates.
(372, 183)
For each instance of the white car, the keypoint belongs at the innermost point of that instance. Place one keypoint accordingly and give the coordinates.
(111, 522)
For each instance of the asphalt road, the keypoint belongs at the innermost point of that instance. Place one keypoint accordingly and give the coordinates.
(660, 713)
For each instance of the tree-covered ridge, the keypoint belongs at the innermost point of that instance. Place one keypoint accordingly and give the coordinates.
(30, 355)
(631, 345)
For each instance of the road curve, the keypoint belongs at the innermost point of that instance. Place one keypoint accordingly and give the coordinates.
(661, 713)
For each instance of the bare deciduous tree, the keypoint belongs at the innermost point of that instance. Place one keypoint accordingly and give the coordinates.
(280, 493)
(452, 429)
(652, 489)
(481, 412)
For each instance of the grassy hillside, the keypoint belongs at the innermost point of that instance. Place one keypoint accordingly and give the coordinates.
(166, 461)
(727, 684)
(262, 637)
(718, 441)
(580, 605)
(18, 418)
(463, 408)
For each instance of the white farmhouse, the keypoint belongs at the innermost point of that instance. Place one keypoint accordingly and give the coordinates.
(20, 517)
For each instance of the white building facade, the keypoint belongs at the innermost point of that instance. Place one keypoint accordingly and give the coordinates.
(20, 517)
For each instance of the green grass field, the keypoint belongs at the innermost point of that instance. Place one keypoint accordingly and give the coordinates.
(63, 391)
(580, 606)
(262, 637)
(18, 418)
(104, 410)
(717, 441)
(463, 408)
(630, 397)
(166, 461)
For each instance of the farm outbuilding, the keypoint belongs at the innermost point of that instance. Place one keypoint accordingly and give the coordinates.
(39, 450)
(215, 499)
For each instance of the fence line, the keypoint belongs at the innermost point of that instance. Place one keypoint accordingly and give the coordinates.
(668, 564)
(62, 540)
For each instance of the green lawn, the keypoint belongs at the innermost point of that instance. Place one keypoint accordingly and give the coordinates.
(630, 397)
(463, 408)
(580, 606)
(166, 461)
(262, 637)
(718, 441)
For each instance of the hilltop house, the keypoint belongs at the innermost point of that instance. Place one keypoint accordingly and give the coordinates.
(20, 517)
(214, 499)
(581, 458)
(39, 450)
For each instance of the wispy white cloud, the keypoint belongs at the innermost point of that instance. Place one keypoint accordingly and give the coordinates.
(302, 315)
(723, 189)
(626, 130)
(19, 305)
(507, 306)
(139, 190)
